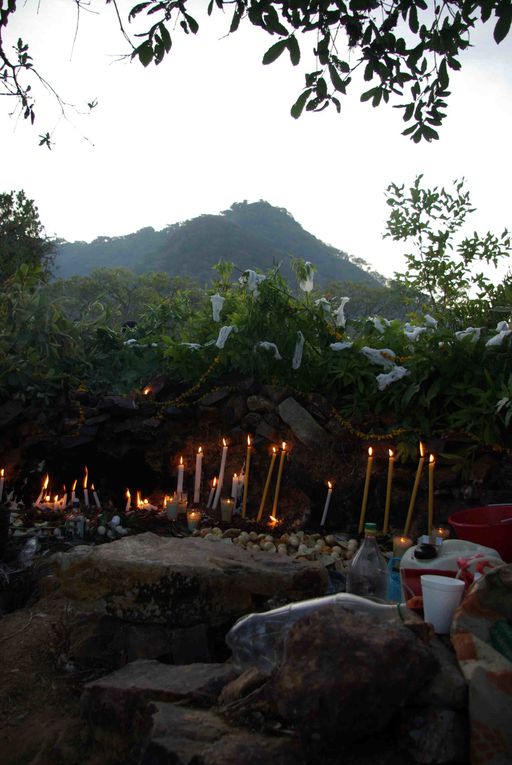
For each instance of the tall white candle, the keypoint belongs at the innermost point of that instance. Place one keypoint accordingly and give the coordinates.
(43, 490)
(221, 474)
(198, 476)
(327, 503)
(2, 474)
(86, 493)
(56, 502)
(73, 492)
(179, 485)
(234, 486)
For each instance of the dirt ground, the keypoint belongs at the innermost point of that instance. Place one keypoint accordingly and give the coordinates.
(40, 722)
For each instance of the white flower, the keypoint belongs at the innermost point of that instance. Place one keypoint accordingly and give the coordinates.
(252, 280)
(132, 341)
(217, 302)
(499, 338)
(297, 354)
(430, 321)
(380, 324)
(340, 346)
(324, 305)
(192, 346)
(224, 333)
(378, 356)
(339, 314)
(412, 333)
(472, 332)
(269, 347)
(307, 284)
(396, 374)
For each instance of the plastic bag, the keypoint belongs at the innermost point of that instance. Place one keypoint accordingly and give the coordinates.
(28, 551)
(257, 640)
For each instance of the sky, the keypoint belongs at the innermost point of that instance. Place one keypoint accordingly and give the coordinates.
(211, 126)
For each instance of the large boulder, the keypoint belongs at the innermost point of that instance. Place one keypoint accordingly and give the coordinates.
(181, 582)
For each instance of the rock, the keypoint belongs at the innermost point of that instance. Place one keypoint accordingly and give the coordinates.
(217, 395)
(241, 686)
(266, 431)
(180, 582)
(448, 688)
(344, 674)
(435, 736)
(275, 393)
(259, 404)
(117, 403)
(250, 422)
(181, 736)
(303, 425)
(118, 696)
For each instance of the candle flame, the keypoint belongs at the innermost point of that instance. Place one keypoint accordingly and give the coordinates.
(283, 446)
(274, 449)
(74, 484)
(128, 495)
(181, 460)
(329, 484)
(47, 498)
(224, 442)
(2, 473)
(86, 477)
(370, 451)
(432, 459)
(274, 520)
(214, 482)
(390, 453)
(92, 487)
(56, 497)
(147, 390)
(46, 481)
(139, 501)
(248, 440)
(422, 450)
(200, 450)
(235, 476)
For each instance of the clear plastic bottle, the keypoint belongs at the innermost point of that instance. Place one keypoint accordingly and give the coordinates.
(368, 572)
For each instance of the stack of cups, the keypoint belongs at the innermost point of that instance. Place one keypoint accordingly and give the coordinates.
(441, 596)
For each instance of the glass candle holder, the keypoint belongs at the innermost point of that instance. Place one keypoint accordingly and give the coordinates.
(182, 502)
(441, 532)
(401, 545)
(226, 510)
(171, 507)
(193, 519)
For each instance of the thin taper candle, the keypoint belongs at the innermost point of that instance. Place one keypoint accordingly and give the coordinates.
(414, 491)
(267, 483)
(278, 482)
(327, 503)
(198, 475)
(246, 481)
(221, 474)
(364, 503)
(431, 466)
(387, 506)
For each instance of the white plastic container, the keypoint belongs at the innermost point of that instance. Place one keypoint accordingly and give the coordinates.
(445, 564)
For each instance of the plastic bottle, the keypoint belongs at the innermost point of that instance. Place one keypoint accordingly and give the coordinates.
(257, 640)
(368, 573)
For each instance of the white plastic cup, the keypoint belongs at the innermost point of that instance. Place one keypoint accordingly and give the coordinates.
(441, 596)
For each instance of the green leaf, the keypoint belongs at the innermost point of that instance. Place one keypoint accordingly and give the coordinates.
(166, 37)
(144, 53)
(192, 23)
(298, 106)
(293, 47)
(274, 51)
(337, 81)
(502, 27)
(369, 94)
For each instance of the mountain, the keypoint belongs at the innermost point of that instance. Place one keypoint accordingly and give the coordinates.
(251, 235)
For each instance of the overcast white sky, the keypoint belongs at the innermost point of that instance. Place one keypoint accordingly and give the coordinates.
(211, 126)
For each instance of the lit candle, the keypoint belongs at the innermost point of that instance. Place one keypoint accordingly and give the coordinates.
(400, 545)
(278, 483)
(179, 485)
(43, 490)
(387, 506)
(2, 473)
(246, 482)
(327, 503)
(96, 498)
(73, 492)
(366, 490)
(234, 486)
(442, 532)
(64, 500)
(431, 466)
(415, 488)
(56, 502)
(212, 492)
(193, 519)
(86, 493)
(226, 509)
(267, 483)
(172, 507)
(138, 500)
(221, 474)
(128, 501)
(198, 476)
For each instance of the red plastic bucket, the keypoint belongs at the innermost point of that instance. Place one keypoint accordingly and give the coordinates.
(486, 526)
